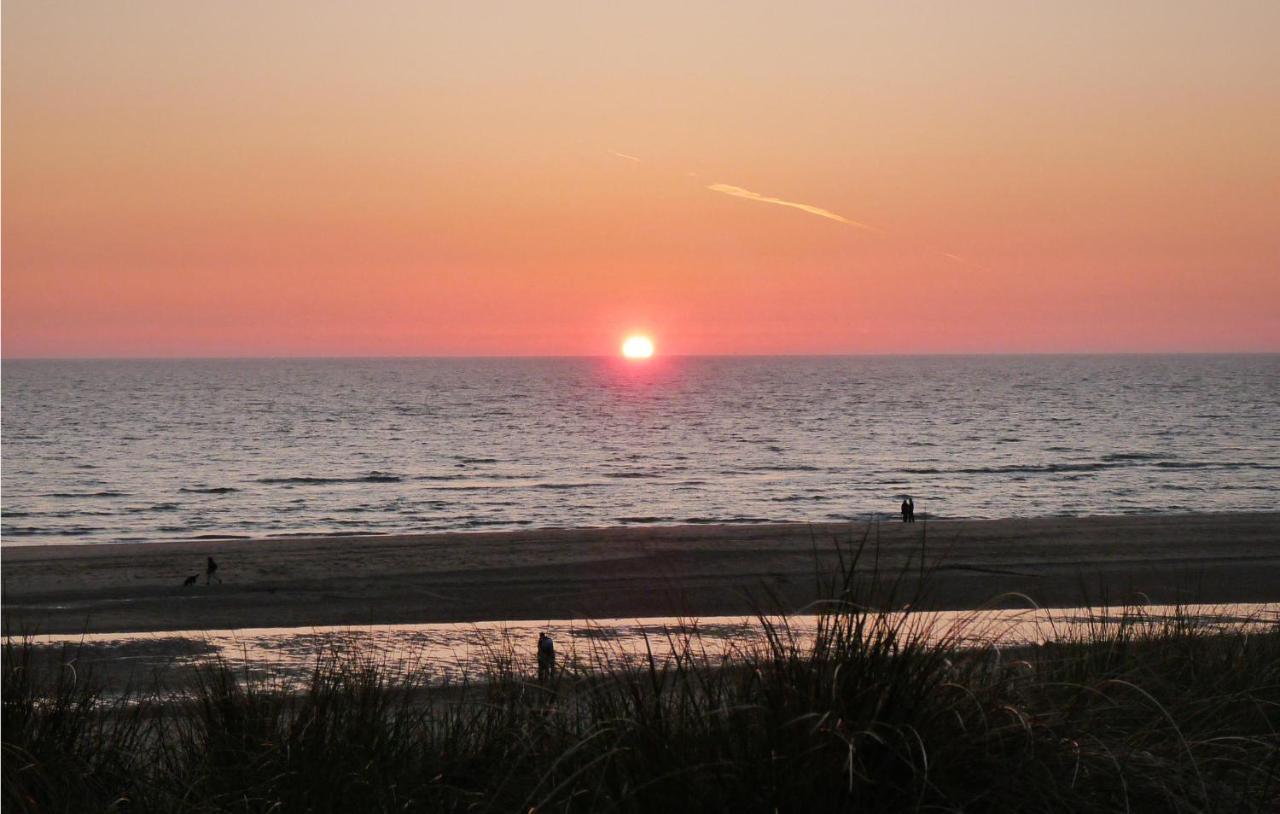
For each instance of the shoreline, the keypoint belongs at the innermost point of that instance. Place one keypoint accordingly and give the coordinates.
(865, 519)
(631, 571)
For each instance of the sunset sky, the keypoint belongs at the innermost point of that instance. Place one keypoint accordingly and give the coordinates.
(430, 178)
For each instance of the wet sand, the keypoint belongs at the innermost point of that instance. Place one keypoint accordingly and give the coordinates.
(633, 572)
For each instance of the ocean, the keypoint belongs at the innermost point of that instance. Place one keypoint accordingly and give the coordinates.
(104, 451)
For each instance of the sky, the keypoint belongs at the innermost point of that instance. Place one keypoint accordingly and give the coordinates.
(406, 178)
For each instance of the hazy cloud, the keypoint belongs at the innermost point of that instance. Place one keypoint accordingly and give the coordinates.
(739, 192)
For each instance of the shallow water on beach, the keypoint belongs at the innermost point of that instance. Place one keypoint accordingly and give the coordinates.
(110, 451)
(452, 653)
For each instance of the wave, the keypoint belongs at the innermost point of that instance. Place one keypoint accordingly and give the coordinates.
(1135, 456)
(87, 494)
(632, 475)
(476, 477)
(784, 468)
(209, 490)
(159, 507)
(1032, 469)
(40, 531)
(1012, 469)
(1113, 461)
(359, 532)
(303, 480)
(703, 521)
(1215, 465)
(644, 519)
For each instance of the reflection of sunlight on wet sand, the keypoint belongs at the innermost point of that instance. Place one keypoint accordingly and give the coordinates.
(451, 653)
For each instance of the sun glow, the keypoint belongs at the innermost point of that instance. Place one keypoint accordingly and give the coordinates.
(637, 347)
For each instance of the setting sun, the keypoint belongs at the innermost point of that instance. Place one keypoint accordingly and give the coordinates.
(637, 347)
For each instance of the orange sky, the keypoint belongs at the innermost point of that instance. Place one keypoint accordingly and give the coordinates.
(407, 178)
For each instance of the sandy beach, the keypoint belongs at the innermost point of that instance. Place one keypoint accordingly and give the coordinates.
(631, 572)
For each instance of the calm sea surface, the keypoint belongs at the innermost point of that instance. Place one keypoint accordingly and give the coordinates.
(110, 451)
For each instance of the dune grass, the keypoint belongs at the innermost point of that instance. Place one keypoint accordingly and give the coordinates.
(877, 712)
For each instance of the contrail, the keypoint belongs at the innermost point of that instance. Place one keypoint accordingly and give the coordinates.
(739, 192)
(957, 258)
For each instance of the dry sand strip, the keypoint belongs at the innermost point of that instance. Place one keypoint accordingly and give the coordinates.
(631, 572)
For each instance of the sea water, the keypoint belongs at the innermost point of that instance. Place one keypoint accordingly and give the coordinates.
(104, 451)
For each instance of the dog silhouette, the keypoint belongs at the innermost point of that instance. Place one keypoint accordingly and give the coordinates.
(191, 580)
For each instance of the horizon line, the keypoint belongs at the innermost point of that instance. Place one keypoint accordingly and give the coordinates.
(656, 357)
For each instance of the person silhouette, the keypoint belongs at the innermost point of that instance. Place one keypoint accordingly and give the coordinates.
(911, 510)
(546, 657)
(906, 510)
(210, 567)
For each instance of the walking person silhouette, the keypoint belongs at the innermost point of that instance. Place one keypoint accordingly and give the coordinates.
(210, 568)
(546, 658)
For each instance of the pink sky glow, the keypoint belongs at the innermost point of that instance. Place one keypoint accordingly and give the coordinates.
(404, 178)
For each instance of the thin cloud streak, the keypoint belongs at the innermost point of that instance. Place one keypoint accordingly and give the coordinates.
(957, 258)
(739, 192)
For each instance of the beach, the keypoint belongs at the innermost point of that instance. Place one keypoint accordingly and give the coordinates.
(628, 572)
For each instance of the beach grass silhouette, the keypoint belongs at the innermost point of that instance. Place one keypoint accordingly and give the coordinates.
(875, 711)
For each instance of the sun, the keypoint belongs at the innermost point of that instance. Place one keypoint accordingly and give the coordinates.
(637, 347)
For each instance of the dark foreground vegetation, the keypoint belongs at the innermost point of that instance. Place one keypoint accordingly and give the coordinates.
(877, 714)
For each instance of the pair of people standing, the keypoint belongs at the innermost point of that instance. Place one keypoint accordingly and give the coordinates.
(908, 510)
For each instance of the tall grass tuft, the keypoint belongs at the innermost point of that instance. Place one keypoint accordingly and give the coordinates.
(66, 746)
